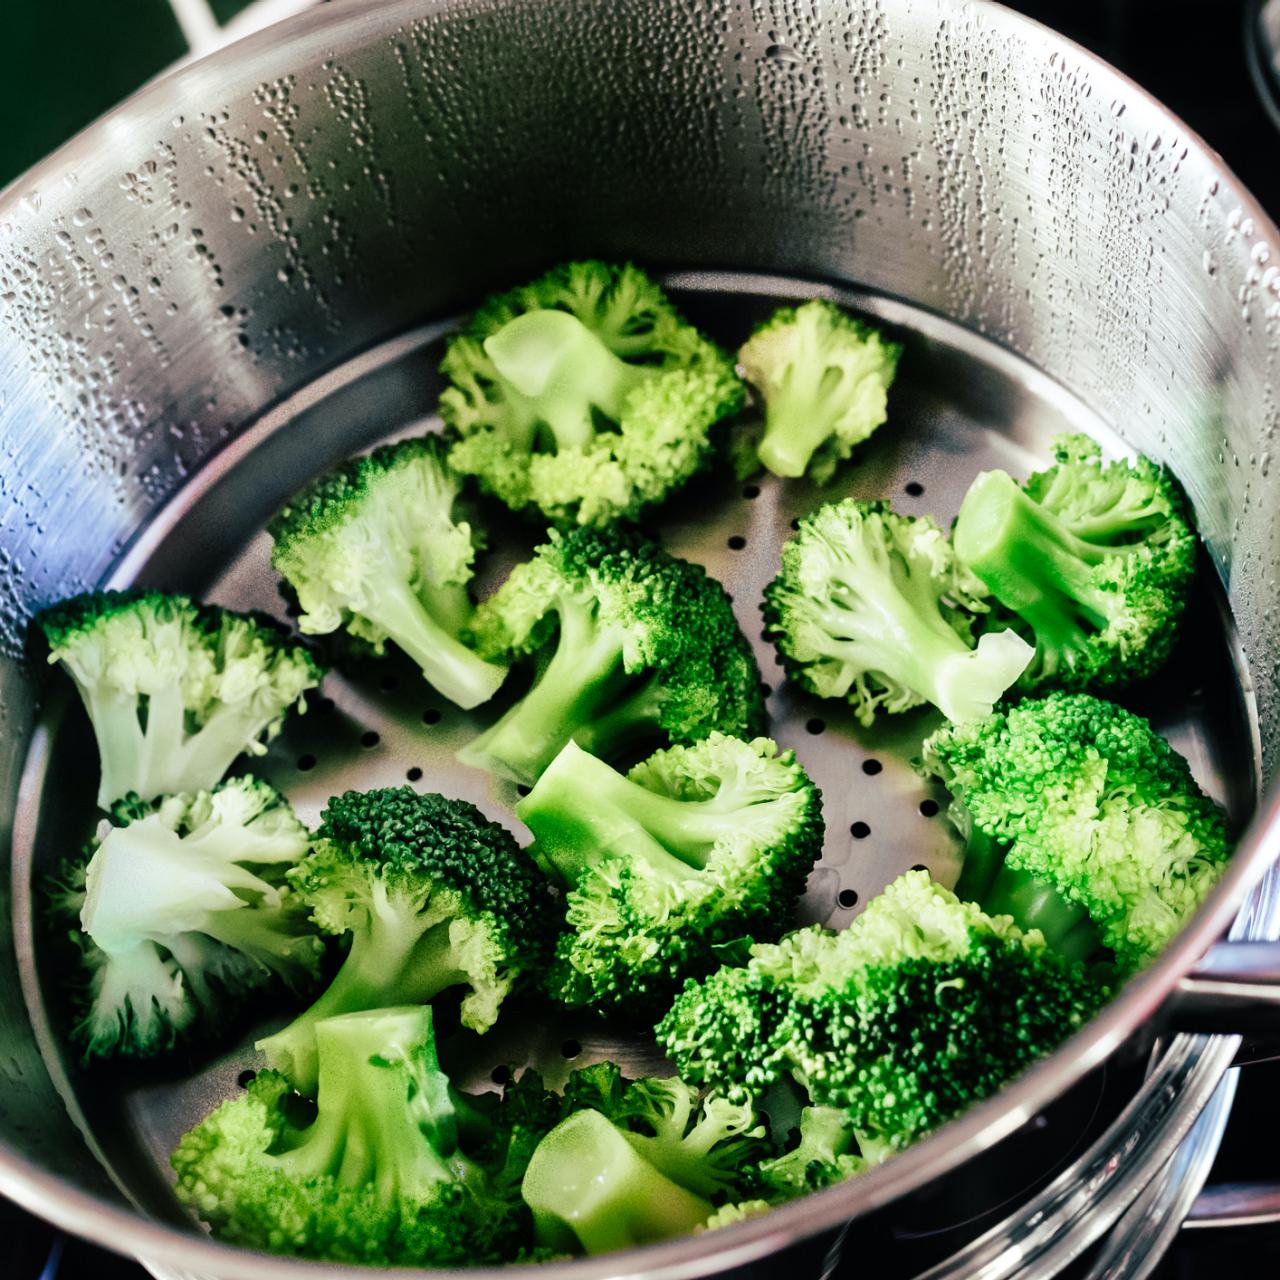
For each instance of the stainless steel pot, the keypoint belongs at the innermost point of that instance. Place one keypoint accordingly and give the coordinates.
(218, 244)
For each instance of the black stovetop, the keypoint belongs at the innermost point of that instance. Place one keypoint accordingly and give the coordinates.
(1191, 54)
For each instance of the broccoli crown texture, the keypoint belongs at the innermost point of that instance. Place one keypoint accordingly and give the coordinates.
(923, 1006)
(432, 894)
(374, 547)
(872, 607)
(1082, 821)
(825, 377)
(826, 1152)
(185, 910)
(584, 395)
(1092, 561)
(372, 1173)
(636, 646)
(175, 691)
(695, 847)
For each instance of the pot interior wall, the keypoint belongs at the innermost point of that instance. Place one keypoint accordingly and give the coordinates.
(261, 218)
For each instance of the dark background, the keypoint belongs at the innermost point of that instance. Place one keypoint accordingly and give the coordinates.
(63, 62)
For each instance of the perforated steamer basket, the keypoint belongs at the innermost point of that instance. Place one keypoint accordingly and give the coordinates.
(244, 274)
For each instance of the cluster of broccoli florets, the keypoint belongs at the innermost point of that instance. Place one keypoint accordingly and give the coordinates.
(671, 839)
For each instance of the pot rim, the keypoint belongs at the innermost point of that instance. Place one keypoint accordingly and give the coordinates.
(125, 1230)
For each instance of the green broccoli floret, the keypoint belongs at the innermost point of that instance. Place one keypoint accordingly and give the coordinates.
(373, 1173)
(185, 911)
(695, 847)
(825, 377)
(375, 547)
(635, 647)
(584, 395)
(432, 894)
(175, 690)
(728, 1215)
(1093, 561)
(1080, 821)
(872, 607)
(923, 1006)
(827, 1152)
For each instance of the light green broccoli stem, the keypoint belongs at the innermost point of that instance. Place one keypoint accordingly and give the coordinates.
(584, 677)
(630, 720)
(802, 412)
(560, 373)
(1033, 564)
(392, 960)
(589, 1189)
(384, 1116)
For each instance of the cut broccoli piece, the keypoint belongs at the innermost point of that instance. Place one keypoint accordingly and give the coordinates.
(827, 1152)
(923, 1006)
(584, 395)
(375, 547)
(636, 647)
(696, 847)
(870, 607)
(175, 691)
(729, 1215)
(185, 912)
(377, 1176)
(591, 1191)
(432, 894)
(1082, 822)
(1093, 561)
(825, 377)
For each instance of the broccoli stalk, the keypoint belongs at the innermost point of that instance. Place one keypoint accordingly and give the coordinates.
(373, 547)
(637, 645)
(695, 847)
(433, 896)
(590, 1190)
(175, 691)
(867, 608)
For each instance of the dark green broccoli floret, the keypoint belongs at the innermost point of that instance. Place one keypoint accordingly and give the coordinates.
(695, 847)
(827, 1151)
(432, 894)
(185, 911)
(1080, 821)
(175, 690)
(870, 607)
(375, 547)
(636, 646)
(376, 1176)
(584, 395)
(1093, 561)
(923, 1006)
(825, 377)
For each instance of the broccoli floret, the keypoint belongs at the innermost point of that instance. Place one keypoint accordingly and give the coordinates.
(591, 1191)
(923, 1006)
(730, 1214)
(185, 911)
(372, 1174)
(825, 377)
(1080, 821)
(375, 547)
(872, 607)
(1094, 562)
(636, 646)
(175, 690)
(827, 1152)
(584, 395)
(432, 894)
(695, 847)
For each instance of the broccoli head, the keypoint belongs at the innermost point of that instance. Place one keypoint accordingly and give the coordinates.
(696, 847)
(825, 380)
(923, 1006)
(175, 691)
(186, 911)
(584, 395)
(432, 895)
(375, 547)
(1093, 562)
(872, 607)
(635, 646)
(372, 1173)
(1080, 821)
